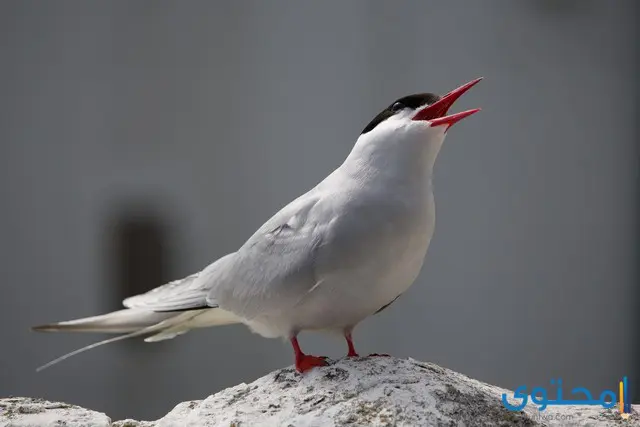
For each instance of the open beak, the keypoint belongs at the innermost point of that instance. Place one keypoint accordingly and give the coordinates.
(436, 112)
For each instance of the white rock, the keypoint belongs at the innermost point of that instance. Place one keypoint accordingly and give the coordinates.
(28, 412)
(380, 391)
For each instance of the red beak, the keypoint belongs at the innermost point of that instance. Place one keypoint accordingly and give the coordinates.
(436, 112)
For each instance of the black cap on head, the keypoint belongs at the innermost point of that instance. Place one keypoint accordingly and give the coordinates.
(411, 101)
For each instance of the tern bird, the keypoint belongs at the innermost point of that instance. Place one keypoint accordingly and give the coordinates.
(339, 253)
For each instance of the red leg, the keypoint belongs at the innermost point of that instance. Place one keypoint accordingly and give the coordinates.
(352, 349)
(304, 362)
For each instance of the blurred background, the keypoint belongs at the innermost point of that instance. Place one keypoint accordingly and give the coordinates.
(140, 141)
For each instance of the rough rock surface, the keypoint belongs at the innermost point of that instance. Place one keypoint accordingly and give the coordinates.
(28, 412)
(381, 391)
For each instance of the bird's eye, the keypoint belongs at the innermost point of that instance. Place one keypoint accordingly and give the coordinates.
(397, 106)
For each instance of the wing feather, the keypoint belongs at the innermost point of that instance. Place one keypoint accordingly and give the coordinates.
(275, 268)
(178, 295)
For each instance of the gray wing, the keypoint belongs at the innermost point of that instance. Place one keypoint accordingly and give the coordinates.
(276, 260)
(275, 268)
(177, 295)
(189, 293)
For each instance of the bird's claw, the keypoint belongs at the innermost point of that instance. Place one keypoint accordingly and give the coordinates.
(307, 362)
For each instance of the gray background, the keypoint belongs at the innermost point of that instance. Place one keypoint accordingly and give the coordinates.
(199, 120)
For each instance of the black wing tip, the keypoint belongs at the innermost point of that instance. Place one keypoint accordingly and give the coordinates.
(44, 328)
(55, 327)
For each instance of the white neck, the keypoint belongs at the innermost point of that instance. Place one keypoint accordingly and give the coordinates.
(402, 152)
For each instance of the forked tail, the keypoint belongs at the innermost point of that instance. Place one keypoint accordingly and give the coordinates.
(135, 323)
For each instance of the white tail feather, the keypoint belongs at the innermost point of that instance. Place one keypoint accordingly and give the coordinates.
(121, 321)
(204, 319)
(137, 323)
(165, 324)
(89, 347)
(165, 335)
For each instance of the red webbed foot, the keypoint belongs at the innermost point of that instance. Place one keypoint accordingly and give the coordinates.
(307, 362)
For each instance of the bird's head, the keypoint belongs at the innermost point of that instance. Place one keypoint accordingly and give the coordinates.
(412, 124)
